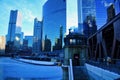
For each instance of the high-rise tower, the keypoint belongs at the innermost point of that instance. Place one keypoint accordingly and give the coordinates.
(37, 36)
(59, 41)
(15, 23)
(85, 8)
(110, 12)
(54, 15)
(15, 36)
(61, 36)
(117, 6)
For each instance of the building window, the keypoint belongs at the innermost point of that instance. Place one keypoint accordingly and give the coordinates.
(72, 41)
(79, 41)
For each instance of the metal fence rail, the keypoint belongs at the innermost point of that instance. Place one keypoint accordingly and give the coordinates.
(71, 77)
(113, 65)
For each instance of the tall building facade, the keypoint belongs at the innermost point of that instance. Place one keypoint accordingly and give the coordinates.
(89, 26)
(18, 42)
(2, 44)
(14, 36)
(47, 45)
(85, 8)
(25, 44)
(30, 40)
(15, 23)
(59, 41)
(54, 15)
(110, 12)
(117, 6)
(37, 36)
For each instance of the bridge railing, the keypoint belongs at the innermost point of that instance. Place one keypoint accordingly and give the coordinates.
(112, 65)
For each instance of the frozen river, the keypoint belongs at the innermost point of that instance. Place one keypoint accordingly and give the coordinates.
(11, 69)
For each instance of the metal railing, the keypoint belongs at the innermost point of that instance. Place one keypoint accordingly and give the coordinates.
(70, 68)
(112, 65)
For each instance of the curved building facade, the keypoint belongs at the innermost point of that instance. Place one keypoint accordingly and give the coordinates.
(54, 15)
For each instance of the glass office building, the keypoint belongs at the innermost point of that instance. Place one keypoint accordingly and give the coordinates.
(15, 23)
(30, 40)
(85, 8)
(37, 36)
(117, 6)
(54, 16)
(15, 36)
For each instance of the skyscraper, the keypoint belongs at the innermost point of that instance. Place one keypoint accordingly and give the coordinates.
(89, 26)
(54, 15)
(30, 40)
(85, 8)
(117, 6)
(37, 36)
(28, 44)
(58, 41)
(18, 40)
(15, 23)
(14, 36)
(110, 12)
(47, 45)
(25, 44)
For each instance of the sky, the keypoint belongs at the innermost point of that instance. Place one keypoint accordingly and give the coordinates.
(72, 18)
(101, 11)
(29, 10)
(33, 8)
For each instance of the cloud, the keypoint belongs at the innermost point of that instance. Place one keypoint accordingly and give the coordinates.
(72, 20)
(28, 15)
(105, 3)
(28, 8)
(26, 12)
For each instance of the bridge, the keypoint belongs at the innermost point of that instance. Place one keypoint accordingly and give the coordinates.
(105, 43)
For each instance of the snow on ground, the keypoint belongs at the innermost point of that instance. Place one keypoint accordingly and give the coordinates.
(10, 68)
(37, 62)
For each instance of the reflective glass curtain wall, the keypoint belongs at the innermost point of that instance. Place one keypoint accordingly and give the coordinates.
(54, 16)
(85, 8)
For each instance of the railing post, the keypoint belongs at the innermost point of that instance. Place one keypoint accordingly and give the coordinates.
(71, 77)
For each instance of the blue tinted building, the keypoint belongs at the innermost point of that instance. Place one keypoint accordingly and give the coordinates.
(30, 40)
(17, 40)
(117, 6)
(89, 26)
(15, 36)
(85, 8)
(54, 15)
(37, 36)
(47, 45)
(14, 25)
